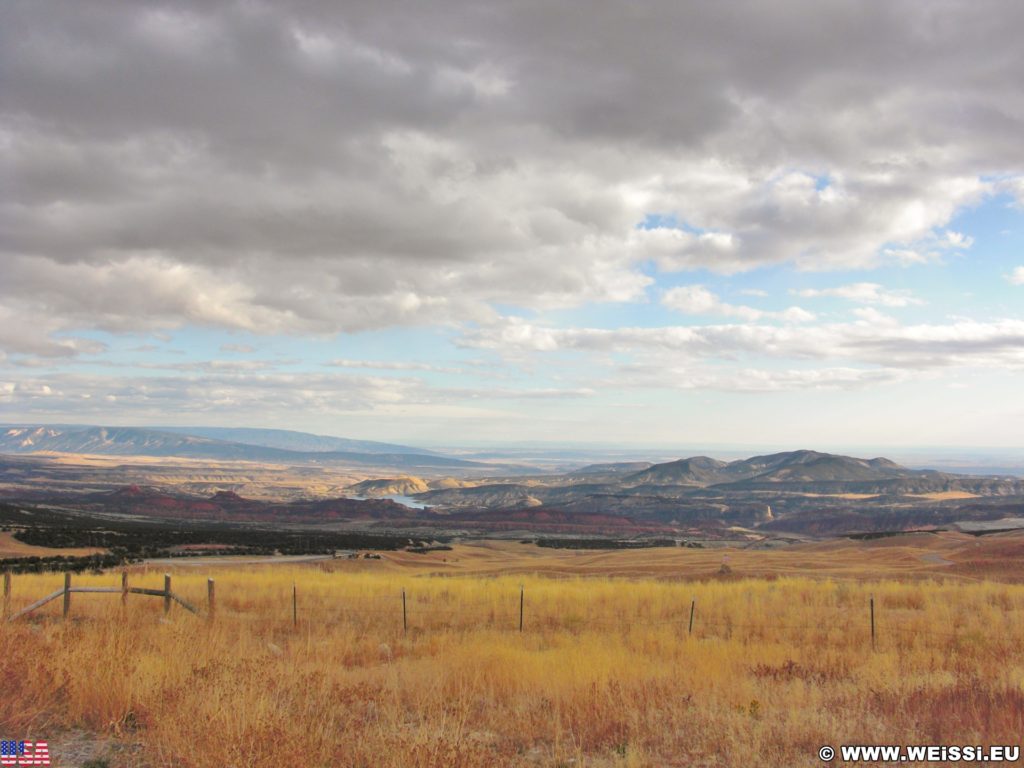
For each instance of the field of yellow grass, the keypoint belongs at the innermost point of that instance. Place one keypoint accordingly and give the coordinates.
(942, 554)
(11, 547)
(604, 673)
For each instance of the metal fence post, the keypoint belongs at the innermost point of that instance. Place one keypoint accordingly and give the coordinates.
(522, 599)
(872, 604)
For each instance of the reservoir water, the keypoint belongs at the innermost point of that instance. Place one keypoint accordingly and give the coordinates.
(405, 501)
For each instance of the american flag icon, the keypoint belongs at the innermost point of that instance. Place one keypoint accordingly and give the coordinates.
(17, 753)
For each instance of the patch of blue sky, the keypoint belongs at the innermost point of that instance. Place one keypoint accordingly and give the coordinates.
(821, 181)
(660, 221)
(979, 274)
(953, 281)
(146, 353)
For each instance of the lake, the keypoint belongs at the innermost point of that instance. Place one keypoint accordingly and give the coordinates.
(405, 501)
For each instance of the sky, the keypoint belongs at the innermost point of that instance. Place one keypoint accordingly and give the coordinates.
(797, 223)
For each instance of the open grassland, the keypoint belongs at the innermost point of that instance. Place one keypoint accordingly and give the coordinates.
(944, 554)
(604, 673)
(11, 547)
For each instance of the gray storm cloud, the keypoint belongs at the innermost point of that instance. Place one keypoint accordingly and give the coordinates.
(323, 167)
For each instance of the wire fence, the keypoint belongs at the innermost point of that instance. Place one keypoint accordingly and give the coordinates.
(416, 614)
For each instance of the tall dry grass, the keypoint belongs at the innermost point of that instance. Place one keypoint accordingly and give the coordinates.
(605, 673)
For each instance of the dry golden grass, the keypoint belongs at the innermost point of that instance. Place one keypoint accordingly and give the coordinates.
(943, 554)
(605, 673)
(11, 547)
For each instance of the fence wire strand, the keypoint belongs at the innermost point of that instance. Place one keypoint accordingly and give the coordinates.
(411, 611)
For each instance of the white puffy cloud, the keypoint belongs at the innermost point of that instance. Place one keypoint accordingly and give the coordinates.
(865, 293)
(228, 392)
(1016, 276)
(873, 339)
(698, 300)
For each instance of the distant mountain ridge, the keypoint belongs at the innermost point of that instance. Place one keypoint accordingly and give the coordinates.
(139, 441)
(701, 488)
(801, 466)
(611, 468)
(290, 440)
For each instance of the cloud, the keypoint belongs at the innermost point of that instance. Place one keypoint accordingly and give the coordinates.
(393, 365)
(957, 240)
(698, 300)
(226, 392)
(213, 366)
(319, 167)
(240, 348)
(873, 339)
(752, 380)
(864, 293)
(28, 335)
(1016, 276)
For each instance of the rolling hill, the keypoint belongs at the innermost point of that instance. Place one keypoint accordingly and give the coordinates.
(699, 470)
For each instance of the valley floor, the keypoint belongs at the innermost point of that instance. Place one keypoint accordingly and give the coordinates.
(945, 554)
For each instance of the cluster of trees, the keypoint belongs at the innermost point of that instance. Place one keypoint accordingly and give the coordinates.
(422, 550)
(130, 541)
(158, 541)
(62, 563)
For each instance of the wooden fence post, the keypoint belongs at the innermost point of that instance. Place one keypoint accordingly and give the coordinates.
(693, 607)
(405, 615)
(167, 593)
(124, 588)
(872, 604)
(7, 594)
(67, 593)
(211, 601)
(295, 604)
